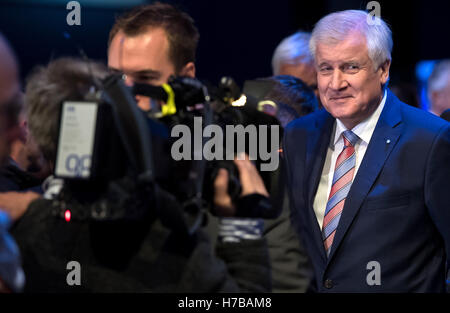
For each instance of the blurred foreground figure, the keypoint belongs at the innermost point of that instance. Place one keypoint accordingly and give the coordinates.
(145, 254)
(11, 274)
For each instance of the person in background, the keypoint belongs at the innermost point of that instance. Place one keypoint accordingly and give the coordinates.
(292, 57)
(438, 88)
(12, 278)
(25, 168)
(292, 97)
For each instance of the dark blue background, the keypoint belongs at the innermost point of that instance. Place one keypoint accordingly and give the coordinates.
(237, 37)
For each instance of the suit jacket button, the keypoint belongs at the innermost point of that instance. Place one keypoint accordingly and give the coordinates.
(328, 284)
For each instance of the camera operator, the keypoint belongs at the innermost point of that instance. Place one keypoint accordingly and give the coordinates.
(148, 45)
(124, 255)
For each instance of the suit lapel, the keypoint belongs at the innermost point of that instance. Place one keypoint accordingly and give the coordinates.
(318, 143)
(384, 138)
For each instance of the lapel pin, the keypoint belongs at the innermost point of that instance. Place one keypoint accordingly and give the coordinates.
(388, 141)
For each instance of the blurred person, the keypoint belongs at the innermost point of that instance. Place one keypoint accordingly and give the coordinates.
(438, 88)
(368, 176)
(9, 91)
(25, 168)
(292, 96)
(124, 255)
(11, 273)
(292, 57)
(148, 45)
(12, 130)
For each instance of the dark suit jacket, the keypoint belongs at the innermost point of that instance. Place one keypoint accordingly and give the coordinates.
(397, 211)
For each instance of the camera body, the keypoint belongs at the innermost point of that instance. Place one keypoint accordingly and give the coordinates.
(116, 159)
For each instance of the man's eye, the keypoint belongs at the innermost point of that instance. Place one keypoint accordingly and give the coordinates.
(325, 69)
(145, 79)
(352, 68)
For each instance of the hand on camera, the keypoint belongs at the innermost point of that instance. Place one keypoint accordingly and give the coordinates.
(251, 183)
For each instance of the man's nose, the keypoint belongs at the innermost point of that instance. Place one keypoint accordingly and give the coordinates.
(338, 82)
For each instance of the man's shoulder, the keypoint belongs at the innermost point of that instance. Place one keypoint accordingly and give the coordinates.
(422, 120)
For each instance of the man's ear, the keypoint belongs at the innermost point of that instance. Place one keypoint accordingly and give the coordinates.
(188, 70)
(24, 131)
(384, 68)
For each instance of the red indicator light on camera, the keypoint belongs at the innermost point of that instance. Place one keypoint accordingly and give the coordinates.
(67, 215)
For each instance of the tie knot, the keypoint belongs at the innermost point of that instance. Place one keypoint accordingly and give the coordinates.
(350, 138)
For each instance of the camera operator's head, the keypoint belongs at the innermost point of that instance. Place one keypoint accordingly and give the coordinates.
(10, 99)
(151, 43)
(47, 87)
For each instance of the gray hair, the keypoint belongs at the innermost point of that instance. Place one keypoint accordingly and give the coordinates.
(336, 27)
(47, 87)
(439, 78)
(292, 50)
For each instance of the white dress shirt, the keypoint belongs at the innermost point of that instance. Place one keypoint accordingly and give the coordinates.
(364, 131)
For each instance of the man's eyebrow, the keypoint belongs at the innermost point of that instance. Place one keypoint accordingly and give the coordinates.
(351, 61)
(140, 72)
(324, 63)
(146, 72)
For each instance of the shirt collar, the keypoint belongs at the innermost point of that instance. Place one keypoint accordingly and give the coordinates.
(363, 130)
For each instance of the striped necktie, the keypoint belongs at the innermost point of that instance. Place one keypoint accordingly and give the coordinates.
(342, 181)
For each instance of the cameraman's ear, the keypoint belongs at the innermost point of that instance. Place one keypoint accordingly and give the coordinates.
(188, 70)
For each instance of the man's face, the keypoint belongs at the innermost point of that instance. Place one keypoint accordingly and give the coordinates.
(440, 100)
(144, 58)
(9, 87)
(306, 72)
(349, 86)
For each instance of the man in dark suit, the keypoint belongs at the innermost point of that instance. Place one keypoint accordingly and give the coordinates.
(369, 176)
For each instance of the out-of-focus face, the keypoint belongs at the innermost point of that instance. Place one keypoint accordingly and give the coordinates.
(9, 87)
(5, 146)
(350, 88)
(440, 100)
(144, 58)
(306, 72)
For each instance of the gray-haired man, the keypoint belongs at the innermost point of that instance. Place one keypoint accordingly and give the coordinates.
(368, 176)
(439, 88)
(292, 57)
